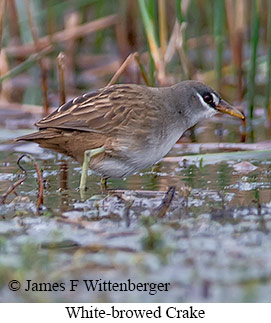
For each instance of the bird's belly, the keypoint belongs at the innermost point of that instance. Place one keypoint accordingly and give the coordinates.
(134, 158)
(113, 167)
(157, 151)
(120, 167)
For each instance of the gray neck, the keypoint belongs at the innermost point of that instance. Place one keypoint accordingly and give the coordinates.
(185, 106)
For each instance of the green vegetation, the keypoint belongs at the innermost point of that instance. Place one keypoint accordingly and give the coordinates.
(210, 41)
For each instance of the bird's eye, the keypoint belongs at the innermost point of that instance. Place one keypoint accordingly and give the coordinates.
(208, 98)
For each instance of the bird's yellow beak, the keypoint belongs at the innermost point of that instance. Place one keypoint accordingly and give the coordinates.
(225, 107)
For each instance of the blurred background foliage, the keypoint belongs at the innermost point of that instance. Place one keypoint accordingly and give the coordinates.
(218, 230)
(224, 43)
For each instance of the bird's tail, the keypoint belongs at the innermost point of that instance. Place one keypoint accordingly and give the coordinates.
(39, 135)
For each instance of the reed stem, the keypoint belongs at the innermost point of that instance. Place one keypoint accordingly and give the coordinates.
(218, 33)
(179, 11)
(162, 27)
(44, 82)
(61, 78)
(253, 56)
(2, 17)
(268, 63)
(147, 17)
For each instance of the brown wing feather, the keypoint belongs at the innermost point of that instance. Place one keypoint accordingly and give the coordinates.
(123, 119)
(71, 143)
(100, 111)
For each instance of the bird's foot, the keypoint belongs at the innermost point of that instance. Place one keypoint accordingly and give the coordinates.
(103, 184)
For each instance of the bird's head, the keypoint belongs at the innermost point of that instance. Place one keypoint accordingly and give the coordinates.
(199, 101)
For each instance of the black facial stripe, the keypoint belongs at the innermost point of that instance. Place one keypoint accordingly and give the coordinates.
(208, 98)
(212, 105)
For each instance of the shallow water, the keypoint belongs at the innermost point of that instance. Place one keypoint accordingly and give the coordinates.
(213, 243)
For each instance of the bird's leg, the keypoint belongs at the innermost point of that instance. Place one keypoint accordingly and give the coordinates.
(104, 183)
(88, 154)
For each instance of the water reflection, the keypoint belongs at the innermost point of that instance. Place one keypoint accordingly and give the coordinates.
(225, 186)
(216, 230)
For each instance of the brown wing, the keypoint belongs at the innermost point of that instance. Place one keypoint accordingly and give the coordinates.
(100, 111)
(121, 118)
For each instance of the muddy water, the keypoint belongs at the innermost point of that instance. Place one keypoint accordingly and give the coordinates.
(213, 244)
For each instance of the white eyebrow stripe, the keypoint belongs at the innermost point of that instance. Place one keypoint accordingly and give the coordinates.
(215, 98)
(203, 102)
